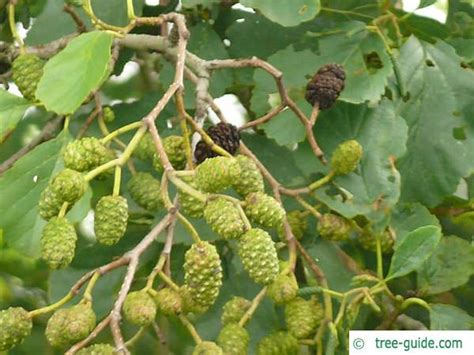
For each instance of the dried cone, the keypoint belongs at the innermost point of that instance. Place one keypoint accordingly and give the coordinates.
(224, 135)
(346, 157)
(233, 339)
(217, 174)
(303, 317)
(139, 308)
(67, 186)
(15, 325)
(203, 273)
(278, 343)
(234, 310)
(189, 204)
(70, 325)
(168, 301)
(259, 257)
(207, 348)
(111, 216)
(86, 154)
(250, 180)
(264, 210)
(58, 243)
(97, 349)
(176, 152)
(325, 86)
(224, 218)
(334, 227)
(145, 191)
(27, 70)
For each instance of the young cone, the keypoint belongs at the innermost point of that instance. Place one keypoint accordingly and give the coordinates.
(145, 191)
(234, 310)
(217, 174)
(263, 209)
(334, 227)
(233, 339)
(15, 325)
(70, 325)
(111, 216)
(203, 273)
(27, 70)
(189, 204)
(139, 308)
(278, 343)
(97, 349)
(58, 243)
(224, 218)
(283, 289)
(303, 317)
(251, 180)
(86, 154)
(346, 157)
(174, 148)
(259, 257)
(207, 348)
(168, 301)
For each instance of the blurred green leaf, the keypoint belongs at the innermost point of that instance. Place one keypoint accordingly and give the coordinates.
(448, 317)
(192, 3)
(20, 188)
(408, 217)
(12, 109)
(71, 75)
(438, 112)
(286, 12)
(451, 265)
(417, 246)
(375, 187)
(425, 3)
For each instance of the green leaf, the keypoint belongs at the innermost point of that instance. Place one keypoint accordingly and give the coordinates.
(450, 266)
(448, 317)
(375, 188)
(20, 188)
(425, 3)
(12, 109)
(286, 12)
(417, 246)
(440, 147)
(71, 75)
(409, 216)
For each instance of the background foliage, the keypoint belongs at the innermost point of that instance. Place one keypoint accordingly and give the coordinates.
(407, 101)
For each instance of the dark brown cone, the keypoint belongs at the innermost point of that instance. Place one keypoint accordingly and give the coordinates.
(224, 135)
(325, 86)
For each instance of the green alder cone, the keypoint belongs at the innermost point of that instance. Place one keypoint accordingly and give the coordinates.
(108, 114)
(264, 210)
(189, 204)
(189, 304)
(259, 256)
(251, 180)
(97, 349)
(334, 227)
(168, 301)
(139, 308)
(110, 222)
(207, 348)
(298, 221)
(58, 243)
(368, 241)
(346, 157)
(283, 289)
(234, 339)
(303, 317)
(67, 186)
(27, 70)
(176, 152)
(278, 343)
(145, 149)
(15, 325)
(145, 190)
(217, 174)
(86, 154)
(224, 218)
(70, 325)
(203, 273)
(234, 310)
